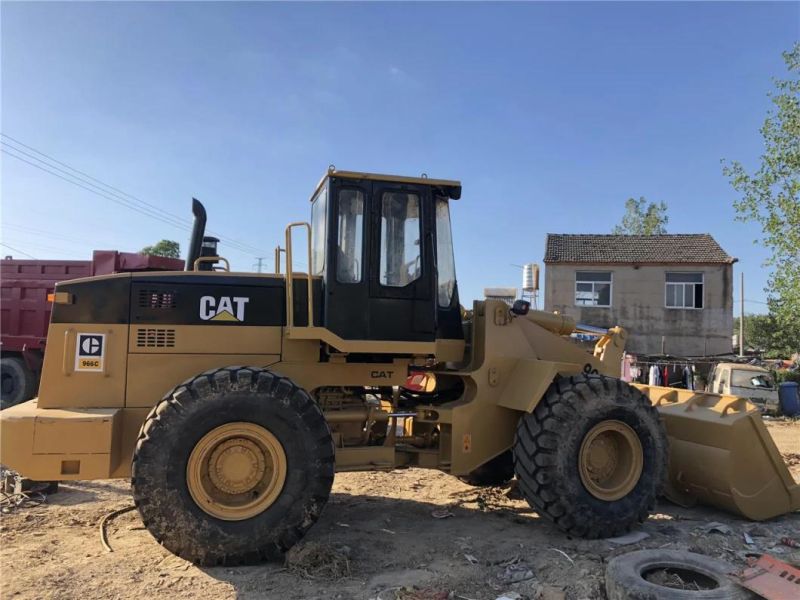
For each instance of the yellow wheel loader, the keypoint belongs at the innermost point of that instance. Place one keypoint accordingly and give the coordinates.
(231, 399)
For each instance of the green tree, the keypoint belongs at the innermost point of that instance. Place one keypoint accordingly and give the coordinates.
(166, 248)
(770, 196)
(762, 333)
(643, 218)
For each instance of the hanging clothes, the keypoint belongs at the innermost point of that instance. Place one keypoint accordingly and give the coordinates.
(655, 376)
(688, 377)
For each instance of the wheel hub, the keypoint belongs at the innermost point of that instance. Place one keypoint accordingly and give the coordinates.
(236, 465)
(236, 471)
(610, 460)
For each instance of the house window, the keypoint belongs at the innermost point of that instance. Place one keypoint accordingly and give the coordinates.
(684, 290)
(593, 288)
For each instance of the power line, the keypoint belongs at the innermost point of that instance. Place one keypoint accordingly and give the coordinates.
(45, 234)
(17, 250)
(94, 191)
(104, 190)
(164, 218)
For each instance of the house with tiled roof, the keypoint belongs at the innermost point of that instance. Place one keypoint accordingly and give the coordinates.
(673, 293)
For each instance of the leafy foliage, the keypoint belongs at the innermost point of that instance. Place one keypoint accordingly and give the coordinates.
(167, 248)
(770, 196)
(765, 334)
(643, 218)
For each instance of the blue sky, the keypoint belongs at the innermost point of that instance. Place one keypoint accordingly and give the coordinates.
(550, 114)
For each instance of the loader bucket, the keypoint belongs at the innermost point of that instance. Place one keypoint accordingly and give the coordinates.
(722, 455)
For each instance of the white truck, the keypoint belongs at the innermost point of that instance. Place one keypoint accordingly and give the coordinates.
(749, 381)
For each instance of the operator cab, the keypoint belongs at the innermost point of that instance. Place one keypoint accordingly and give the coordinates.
(383, 248)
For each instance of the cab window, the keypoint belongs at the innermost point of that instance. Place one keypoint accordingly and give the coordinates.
(445, 262)
(350, 236)
(319, 211)
(401, 261)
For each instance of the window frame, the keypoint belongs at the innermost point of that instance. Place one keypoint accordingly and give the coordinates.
(610, 283)
(684, 284)
(364, 217)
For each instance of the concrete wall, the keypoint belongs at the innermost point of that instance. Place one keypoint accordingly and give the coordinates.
(638, 304)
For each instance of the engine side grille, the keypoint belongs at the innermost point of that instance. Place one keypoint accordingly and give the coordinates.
(155, 338)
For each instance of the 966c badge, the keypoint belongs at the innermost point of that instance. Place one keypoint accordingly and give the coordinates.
(90, 352)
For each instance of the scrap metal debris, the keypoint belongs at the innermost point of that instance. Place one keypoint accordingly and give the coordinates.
(771, 578)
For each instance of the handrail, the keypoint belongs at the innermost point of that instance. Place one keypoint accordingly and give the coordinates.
(210, 259)
(290, 277)
(278, 251)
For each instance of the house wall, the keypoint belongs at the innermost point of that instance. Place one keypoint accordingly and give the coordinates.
(638, 304)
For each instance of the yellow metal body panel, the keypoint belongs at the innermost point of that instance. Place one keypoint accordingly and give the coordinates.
(514, 361)
(64, 385)
(47, 444)
(153, 375)
(721, 454)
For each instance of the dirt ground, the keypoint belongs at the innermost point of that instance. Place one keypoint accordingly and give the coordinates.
(383, 524)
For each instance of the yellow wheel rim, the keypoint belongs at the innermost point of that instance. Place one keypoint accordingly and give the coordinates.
(236, 471)
(610, 460)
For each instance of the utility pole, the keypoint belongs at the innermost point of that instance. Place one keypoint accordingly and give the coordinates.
(741, 316)
(260, 259)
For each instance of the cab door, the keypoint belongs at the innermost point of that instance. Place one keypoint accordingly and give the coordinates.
(347, 277)
(402, 274)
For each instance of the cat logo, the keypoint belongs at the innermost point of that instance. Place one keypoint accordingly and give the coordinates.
(222, 309)
(89, 352)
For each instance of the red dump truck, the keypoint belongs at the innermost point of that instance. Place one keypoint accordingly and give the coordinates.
(25, 309)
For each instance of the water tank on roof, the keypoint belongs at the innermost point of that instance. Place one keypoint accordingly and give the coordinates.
(530, 277)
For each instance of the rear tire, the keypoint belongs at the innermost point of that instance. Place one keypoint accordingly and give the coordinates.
(232, 467)
(17, 380)
(592, 456)
(498, 471)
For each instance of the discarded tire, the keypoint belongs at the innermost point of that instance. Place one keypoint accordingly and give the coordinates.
(592, 456)
(232, 467)
(498, 471)
(631, 577)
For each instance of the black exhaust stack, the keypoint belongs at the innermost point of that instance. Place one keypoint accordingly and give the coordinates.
(198, 232)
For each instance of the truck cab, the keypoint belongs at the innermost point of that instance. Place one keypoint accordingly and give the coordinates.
(748, 381)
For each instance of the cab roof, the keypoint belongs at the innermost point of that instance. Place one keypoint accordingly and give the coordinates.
(451, 187)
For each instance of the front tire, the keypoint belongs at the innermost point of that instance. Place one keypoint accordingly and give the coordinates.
(232, 467)
(592, 456)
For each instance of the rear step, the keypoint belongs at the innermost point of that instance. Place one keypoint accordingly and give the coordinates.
(722, 455)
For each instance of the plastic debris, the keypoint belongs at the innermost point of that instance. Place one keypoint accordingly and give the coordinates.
(516, 573)
(747, 539)
(471, 559)
(510, 596)
(717, 527)
(629, 538)
(564, 554)
(442, 513)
